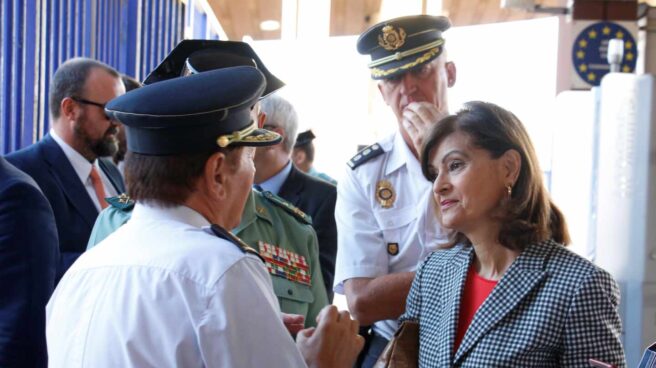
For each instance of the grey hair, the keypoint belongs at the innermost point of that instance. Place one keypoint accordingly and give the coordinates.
(281, 114)
(70, 78)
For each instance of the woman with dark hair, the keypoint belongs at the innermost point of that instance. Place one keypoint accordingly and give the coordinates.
(506, 292)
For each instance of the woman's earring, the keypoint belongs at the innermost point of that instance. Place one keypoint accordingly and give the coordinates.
(509, 189)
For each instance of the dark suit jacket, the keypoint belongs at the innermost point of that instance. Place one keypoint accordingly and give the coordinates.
(74, 210)
(316, 198)
(28, 258)
(551, 308)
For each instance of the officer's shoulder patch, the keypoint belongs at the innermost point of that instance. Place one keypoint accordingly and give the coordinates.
(122, 202)
(365, 155)
(290, 208)
(226, 235)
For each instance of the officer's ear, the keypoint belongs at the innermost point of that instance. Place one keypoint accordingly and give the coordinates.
(298, 156)
(261, 118)
(214, 176)
(450, 73)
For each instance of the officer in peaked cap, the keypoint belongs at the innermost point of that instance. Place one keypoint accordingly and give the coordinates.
(381, 234)
(303, 156)
(402, 44)
(267, 219)
(166, 282)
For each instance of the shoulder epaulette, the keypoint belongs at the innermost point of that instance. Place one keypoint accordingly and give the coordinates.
(121, 202)
(226, 235)
(365, 155)
(280, 202)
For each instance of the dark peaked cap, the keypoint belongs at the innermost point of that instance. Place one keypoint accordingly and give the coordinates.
(304, 138)
(197, 113)
(401, 44)
(195, 56)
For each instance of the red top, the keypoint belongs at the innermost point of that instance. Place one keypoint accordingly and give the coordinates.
(476, 291)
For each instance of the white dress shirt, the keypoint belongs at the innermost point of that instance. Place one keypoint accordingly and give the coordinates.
(274, 183)
(82, 168)
(365, 229)
(163, 291)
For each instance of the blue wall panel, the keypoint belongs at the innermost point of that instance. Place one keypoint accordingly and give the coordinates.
(18, 64)
(36, 36)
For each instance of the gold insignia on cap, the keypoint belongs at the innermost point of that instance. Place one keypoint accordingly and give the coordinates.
(391, 39)
(123, 198)
(393, 248)
(385, 193)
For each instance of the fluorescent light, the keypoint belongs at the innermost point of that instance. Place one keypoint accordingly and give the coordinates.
(270, 25)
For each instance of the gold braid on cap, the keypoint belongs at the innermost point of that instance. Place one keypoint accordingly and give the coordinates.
(224, 140)
(375, 72)
(266, 137)
(403, 54)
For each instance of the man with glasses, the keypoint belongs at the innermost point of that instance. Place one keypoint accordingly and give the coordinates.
(67, 163)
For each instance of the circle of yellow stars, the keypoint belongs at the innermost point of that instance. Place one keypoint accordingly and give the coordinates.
(582, 44)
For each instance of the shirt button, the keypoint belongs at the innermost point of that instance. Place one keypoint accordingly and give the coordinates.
(290, 292)
(390, 223)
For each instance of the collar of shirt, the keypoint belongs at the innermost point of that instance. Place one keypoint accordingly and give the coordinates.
(274, 183)
(80, 164)
(183, 214)
(401, 155)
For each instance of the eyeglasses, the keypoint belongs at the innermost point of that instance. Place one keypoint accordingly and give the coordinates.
(87, 102)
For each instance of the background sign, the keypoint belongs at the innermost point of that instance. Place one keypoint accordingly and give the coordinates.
(589, 52)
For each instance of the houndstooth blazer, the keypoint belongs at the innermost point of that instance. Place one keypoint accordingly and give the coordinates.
(552, 308)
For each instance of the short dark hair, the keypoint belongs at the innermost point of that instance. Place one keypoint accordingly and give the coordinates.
(70, 78)
(167, 180)
(129, 83)
(530, 216)
(308, 148)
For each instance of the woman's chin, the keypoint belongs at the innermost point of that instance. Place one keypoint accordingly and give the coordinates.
(449, 223)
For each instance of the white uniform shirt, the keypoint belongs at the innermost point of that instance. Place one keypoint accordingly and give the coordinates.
(162, 291)
(365, 229)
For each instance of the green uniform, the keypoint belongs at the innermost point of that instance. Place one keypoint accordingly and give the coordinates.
(322, 176)
(111, 218)
(283, 234)
(279, 231)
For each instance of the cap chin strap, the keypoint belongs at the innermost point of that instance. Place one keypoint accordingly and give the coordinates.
(381, 73)
(225, 140)
(403, 54)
